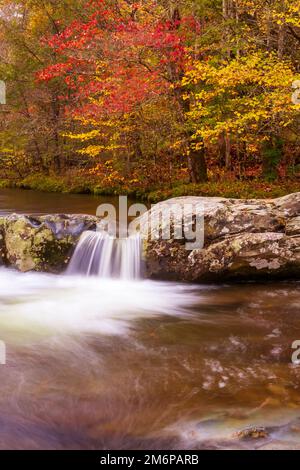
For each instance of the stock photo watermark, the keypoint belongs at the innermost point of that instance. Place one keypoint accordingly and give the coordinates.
(296, 353)
(2, 353)
(2, 92)
(296, 94)
(183, 222)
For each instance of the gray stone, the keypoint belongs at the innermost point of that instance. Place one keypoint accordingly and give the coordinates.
(42, 243)
(244, 239)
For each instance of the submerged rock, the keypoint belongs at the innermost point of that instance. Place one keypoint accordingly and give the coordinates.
(42, 243)
(252, 432)
(243, 239)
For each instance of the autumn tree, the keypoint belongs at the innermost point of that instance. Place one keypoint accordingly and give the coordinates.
(241, 94)
(137, 53)
(32, 127)
(141, 93)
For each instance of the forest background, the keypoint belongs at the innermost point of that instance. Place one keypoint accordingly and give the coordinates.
(153, 98)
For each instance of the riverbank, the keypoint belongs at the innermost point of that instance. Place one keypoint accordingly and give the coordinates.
(77, 184)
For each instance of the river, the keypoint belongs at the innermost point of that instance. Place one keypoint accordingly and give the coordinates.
(114, 364)
(36, 202)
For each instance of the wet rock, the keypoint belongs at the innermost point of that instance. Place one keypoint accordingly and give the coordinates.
(2, 242)
(42, 243)
(252, 432)
(243, 240)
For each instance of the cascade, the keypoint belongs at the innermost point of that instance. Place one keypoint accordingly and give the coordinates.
(99, 254)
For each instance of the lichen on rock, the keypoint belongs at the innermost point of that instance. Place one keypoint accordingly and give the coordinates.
(42, 243)
(243, 239)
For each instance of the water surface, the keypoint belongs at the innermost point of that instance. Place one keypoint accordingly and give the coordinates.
(36, 202)
(110, 364)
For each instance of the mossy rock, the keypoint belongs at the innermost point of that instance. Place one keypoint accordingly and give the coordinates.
(42, 243)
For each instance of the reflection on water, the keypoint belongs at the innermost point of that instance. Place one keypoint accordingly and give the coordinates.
(110, 364)
(35, 202)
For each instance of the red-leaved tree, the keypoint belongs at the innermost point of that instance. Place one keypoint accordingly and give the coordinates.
(122, 54)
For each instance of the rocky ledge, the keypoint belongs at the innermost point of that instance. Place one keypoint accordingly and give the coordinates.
(41, 243)
(243, 239)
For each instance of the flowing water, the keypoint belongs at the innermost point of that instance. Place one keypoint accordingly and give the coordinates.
(99, 254)
(102, 363)
(97, 362)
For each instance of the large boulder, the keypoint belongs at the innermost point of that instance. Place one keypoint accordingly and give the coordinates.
(41, 243)
(243, 239)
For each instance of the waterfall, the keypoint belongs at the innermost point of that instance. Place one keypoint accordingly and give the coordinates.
(98, 254)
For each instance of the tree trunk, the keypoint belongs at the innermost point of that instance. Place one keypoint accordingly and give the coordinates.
(227, 152)
(197, 166)
(55, 107)
(229, 12)
(196, 158)
(281, 41)
(40, 160)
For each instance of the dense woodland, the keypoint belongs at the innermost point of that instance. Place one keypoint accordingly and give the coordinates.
(135, 96)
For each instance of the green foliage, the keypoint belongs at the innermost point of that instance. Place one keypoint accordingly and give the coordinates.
(235, 189)
(272, 152)
(231, 189)
(56, 184)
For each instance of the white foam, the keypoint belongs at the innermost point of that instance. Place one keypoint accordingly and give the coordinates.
(48, 304)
